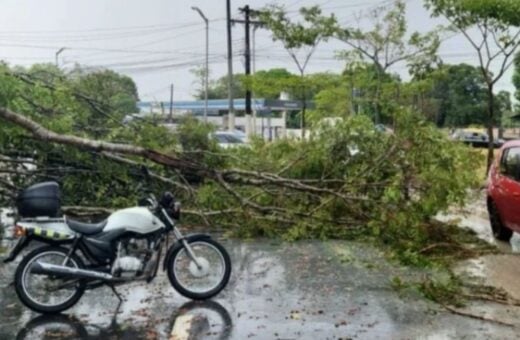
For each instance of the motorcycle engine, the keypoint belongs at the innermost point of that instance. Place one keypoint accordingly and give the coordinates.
(131, 257)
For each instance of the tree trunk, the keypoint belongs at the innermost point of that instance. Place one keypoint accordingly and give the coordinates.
(302, 118)
(491, 112)
(304, 108)
(377, 104)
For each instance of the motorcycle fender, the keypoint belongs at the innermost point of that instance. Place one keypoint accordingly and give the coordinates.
(32, 235)
(22, 243)
(178, 244)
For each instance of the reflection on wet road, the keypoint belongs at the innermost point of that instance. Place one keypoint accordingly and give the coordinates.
(217, 325)
(304, 290)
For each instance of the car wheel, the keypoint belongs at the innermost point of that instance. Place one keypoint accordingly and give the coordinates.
(500, 231)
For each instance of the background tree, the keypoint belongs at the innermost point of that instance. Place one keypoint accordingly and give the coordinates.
(516, 80)
(87, 105)
(460, 94)
(109, 92)
(269, 84)
(218, 88)
(495, 42)
(386, 44)
(504, 108)
(299, 39)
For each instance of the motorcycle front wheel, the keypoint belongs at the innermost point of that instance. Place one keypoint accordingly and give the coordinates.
(43, 292)
(203, 280)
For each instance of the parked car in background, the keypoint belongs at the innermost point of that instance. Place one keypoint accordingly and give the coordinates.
(503, 192)
(383, 128)
(475, 137)
(230, 139)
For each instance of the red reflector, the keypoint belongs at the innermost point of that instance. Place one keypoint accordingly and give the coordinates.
(19, 231)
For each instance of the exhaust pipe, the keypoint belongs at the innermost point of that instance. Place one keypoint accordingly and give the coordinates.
(47, 268)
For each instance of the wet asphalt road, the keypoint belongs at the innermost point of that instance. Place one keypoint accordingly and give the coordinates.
(305, 290)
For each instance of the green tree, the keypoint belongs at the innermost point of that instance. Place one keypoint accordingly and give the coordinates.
(386, 44)
(111, 96)
(516, 78)
(299, 39)
(218, 89)
(269, 84)
(460, 92)
(497, 39)
(66, 103)
(504, 108)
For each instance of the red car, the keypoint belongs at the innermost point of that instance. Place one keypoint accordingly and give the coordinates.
(503, 191)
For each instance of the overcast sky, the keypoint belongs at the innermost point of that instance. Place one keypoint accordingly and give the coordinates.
(157, 42)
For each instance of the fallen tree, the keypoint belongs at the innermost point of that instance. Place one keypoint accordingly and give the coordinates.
(315, 188)
(346, 179)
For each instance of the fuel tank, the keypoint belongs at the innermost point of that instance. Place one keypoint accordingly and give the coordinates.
(139, 220)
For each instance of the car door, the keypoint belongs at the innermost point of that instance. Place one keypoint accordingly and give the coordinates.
(508, 188)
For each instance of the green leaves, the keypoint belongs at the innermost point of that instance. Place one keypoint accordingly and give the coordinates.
(516, 76)
(298, 36)
(498, 24)
(465, 13)
(506, 11)
(81, 104)
(295, 35)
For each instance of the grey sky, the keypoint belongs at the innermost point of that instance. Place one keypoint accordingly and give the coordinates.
(157, 42)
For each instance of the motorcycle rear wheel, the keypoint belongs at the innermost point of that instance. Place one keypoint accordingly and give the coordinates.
(41, 292)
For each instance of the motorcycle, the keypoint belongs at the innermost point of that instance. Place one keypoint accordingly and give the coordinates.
(126, 247)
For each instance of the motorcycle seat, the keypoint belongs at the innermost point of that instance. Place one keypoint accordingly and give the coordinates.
(86, 228)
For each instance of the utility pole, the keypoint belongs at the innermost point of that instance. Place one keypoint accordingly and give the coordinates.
(255, 27)
(231, 114)
(170, 118)
(206, 71)
(247, 56)
(57, 55)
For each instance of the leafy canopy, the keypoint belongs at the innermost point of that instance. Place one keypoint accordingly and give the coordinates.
(506, 11)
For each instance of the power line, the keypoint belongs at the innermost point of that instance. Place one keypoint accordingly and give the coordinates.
(140, 67)
(184, 51)
(54, 47)
(61, 31)
(96, 37)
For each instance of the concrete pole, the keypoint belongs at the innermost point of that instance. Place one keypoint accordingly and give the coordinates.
(170, 117)
(231, 114)
(206, 69)
(247, 55)
(58, 52)
(253, 58)
(206, 81)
